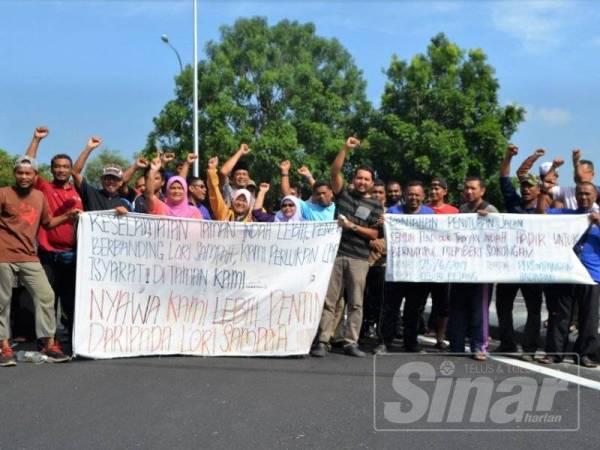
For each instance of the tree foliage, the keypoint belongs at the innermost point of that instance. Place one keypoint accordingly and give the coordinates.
(285, 91)
(6, 169)
(440, 116)
(93, 168)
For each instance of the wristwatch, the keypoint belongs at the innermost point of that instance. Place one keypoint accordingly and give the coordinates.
(354, 227)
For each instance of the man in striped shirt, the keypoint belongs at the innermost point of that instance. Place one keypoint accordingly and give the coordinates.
(357, 216)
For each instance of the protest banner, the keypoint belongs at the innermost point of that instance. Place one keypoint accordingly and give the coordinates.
(498, 248)
(152, 285)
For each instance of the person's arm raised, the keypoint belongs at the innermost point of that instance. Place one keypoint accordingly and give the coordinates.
(138, 164)
(185, 167)
(155, 166)
(306, 174)
(38, 134)
(215, 198)
(285, 177)
(337, 179)
(92, 143)
(526, 165)
(511, 152)
(227, 168)
(262, 192)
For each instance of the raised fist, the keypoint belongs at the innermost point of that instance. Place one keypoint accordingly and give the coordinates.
(94, 142)
(352, 142)
(264, 187)
(539, 152)
(141, 163)
(168, 156)
(41, 132)
(213, 162)
(285, 166)
(512, 150)
(304, 172)
(191, 157)
(557, 162)
(155, 164)
(244, 149)
(576, 156)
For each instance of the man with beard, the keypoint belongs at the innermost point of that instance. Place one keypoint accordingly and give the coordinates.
(358, 217)
(393, 194)
(112, 177)
(56, 247)
(22, 211)
(505, 293)
(234, 174)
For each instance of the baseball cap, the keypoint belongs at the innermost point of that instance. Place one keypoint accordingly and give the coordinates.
(112, 170)
(530, 179)
(545, 168)
(25, 160)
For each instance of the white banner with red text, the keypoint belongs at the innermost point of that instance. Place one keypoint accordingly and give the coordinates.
(497, 248)
(152, 285)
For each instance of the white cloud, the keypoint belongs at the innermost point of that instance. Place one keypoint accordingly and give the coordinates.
(551, 116)
(537, 25)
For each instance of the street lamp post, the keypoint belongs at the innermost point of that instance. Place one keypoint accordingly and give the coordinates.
(195, 107)
(165, 39)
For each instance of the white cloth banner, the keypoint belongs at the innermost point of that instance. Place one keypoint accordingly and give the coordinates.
(151, 285)
(498, 248)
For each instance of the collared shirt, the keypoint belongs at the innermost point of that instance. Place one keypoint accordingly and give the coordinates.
(590, 246)
(60, 198)
(512, 200)
(363, 212)
(100, 200)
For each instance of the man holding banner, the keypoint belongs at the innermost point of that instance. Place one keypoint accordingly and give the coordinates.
(469, 302)
(358, 216)
(587, 297)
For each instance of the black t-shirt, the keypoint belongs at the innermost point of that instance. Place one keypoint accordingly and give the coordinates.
(98, 199)
(361, 211)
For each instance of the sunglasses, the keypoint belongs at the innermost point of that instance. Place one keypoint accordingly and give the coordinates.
(288, 205)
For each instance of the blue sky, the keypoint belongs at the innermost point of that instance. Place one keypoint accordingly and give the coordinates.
(99, 67)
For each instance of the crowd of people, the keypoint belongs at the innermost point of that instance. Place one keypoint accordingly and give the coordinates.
(38, 247)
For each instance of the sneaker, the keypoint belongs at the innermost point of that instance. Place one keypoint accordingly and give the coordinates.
(319, 351)
(55, 354)
(381, 349)
(585, 361)
(353, 350)
(479, 356)
(7, 358)
(441, 345)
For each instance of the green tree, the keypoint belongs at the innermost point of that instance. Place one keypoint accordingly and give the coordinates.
(285, 91)
(93, 168)
(6, 169)
(440, 116)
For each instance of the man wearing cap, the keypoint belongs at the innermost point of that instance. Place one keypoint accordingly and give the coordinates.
(505, 293)
(56, 247)
(22, 211)
(583, 173)
(112, 177)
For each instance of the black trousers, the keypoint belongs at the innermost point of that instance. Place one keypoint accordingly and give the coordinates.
(373, 299)
(416, 296)
(62, 279)
(561, 303)
(505, 297)
(440, 303)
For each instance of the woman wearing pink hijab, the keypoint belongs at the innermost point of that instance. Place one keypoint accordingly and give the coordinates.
(176, 199)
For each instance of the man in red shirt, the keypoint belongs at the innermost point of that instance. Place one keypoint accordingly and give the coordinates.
(440, 292)
(22, 211)
(57, 246)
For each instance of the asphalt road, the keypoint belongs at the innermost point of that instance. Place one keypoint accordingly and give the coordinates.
(189, 402)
